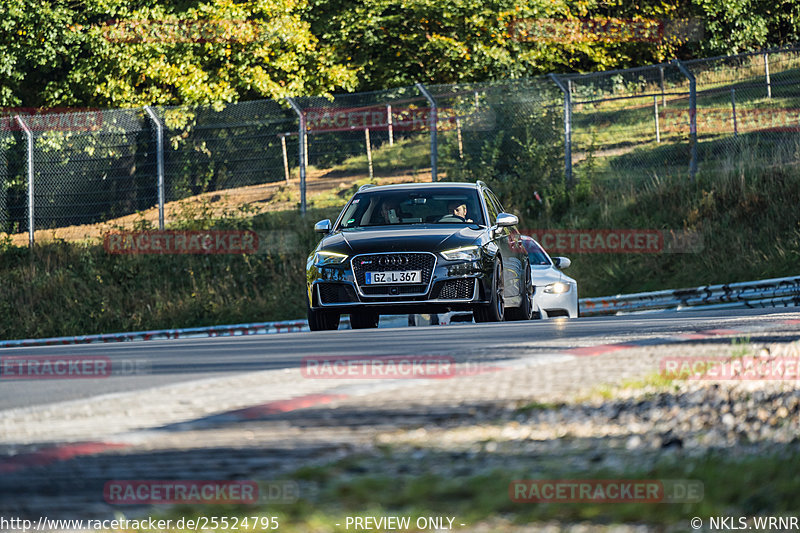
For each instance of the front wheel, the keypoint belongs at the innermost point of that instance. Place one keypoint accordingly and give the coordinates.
(321, 320)
(525, 309)
(494, 311)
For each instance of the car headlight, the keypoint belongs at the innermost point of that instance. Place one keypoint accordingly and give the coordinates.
(465, 253)
(328, 258)
(557, 288)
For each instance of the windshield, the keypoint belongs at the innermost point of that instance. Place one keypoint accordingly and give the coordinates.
(536, 253)
(434, 205)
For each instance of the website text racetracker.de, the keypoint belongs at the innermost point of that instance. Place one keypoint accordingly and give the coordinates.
(26, 367)
(201, 523)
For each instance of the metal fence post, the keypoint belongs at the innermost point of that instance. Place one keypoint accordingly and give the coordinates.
(305, 147)
(766, 73)
(389, 122)
(433, 125)
(369, 151)
(692, 115)
(29, 135)
(567, 128)
(301, 142)
(733, 107)
(460, 143)
(285, 157)
(159, 162)
(661, 76)
(655, 116)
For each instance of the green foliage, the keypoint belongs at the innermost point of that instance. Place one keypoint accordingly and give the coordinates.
(66, 53)
(522, 156)
(120, 53)
(733, 26)
(65, 288)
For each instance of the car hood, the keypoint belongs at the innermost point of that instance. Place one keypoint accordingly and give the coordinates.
(426, 238)
(544, 275)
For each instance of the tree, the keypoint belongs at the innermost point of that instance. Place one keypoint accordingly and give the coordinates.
(118, 53)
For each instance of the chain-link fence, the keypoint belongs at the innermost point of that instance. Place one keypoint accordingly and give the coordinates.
(678, 118)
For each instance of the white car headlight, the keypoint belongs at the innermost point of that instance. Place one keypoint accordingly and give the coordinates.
(322, 258)
(465, 253)
(557, 288)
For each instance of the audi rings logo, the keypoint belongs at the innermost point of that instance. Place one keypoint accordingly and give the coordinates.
(392, 260)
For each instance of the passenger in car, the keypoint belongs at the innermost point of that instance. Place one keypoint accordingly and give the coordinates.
(390, 213)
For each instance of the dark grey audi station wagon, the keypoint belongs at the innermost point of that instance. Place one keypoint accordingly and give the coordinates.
(419, 248)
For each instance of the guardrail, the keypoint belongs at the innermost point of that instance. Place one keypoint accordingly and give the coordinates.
(776, 292)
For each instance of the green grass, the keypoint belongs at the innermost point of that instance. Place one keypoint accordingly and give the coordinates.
(409, 154)
(741, 212)
(741, 205)
(64, 288)
(744, 220)
(747, 486)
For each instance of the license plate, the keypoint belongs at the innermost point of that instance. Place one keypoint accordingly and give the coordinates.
(399, 276)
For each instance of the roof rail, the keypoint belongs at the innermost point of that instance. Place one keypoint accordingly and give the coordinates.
(366, 186)
(481, 184)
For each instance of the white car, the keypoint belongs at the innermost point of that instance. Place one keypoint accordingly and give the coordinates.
(556, 294)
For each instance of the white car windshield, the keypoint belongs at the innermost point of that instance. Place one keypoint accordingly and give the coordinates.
(536, 253)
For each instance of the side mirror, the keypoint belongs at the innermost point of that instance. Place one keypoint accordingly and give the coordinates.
(505, 220)
(562, 262)
(323, 226)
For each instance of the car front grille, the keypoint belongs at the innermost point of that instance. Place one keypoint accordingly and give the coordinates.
(454, 289)
(393, 290)
(336, 293)
(393, 262)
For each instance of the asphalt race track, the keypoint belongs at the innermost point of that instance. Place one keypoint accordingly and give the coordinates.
(243, 408)
(175, 361)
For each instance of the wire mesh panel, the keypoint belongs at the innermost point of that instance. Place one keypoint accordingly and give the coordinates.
(9, 169)
(509, 134)
(91, 166)
(630, 124)
(748, 110)
(492, 130)
(239, 146)
(626, 126)
(383, 134)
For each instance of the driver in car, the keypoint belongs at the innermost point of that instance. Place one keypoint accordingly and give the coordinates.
(457, 212)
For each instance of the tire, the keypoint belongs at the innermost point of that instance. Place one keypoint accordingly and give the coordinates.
(364, 320)
(525, 310)
(494, 311)
(321, 320)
